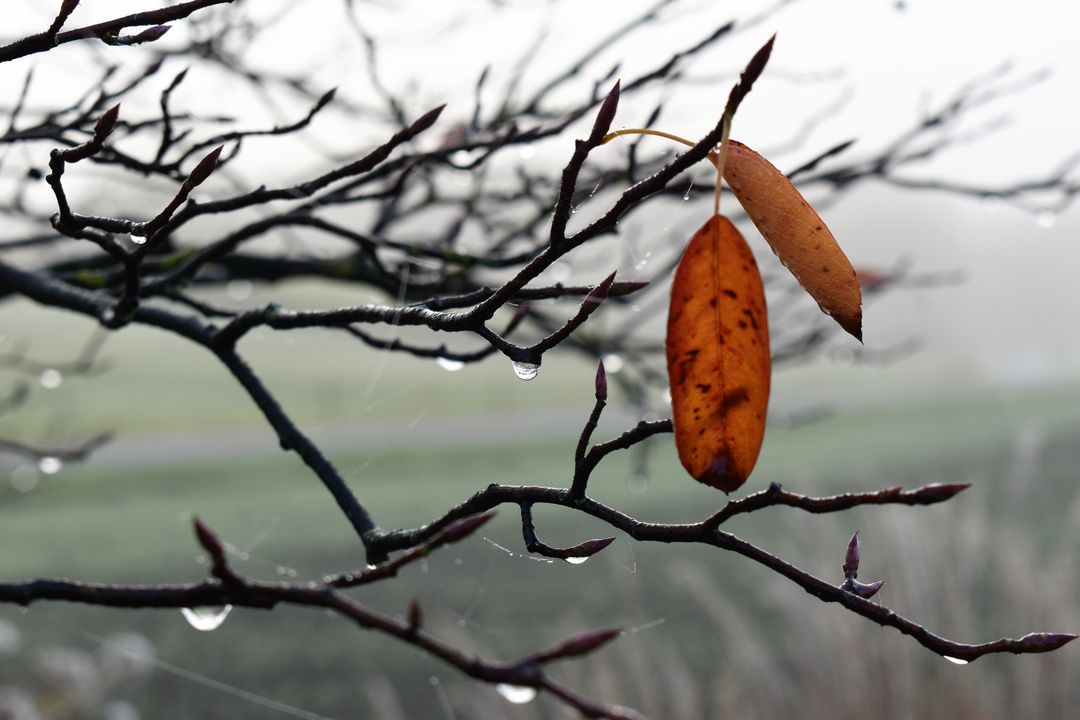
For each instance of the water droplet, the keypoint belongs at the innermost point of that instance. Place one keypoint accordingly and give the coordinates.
(461, 157)
(51, 378)
(559, 272)
(640, 264)
(527, 152)
(613, 363)
(526, 371)
(137, 239)
(24, 478)
(449, 365)
(107, 315)
(369, 567)
(1046, 219)
(516, 694)
(686, 196)
(956, 661)
(240, 289)
(50, 465)
(206, 619)
(576, 560)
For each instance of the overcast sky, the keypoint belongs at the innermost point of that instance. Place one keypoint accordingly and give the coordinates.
(1014, 318)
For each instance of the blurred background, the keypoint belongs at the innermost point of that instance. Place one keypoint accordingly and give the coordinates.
(969, 374)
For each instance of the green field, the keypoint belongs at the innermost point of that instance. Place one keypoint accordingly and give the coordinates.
(706, 621)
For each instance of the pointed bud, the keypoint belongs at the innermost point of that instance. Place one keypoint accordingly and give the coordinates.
(748, 77)
(203, 169)
(425, 121)
(598, 294)
(208, 538)
(601, 382)
(1045, 642)
(326, 98)
(627, 288)
(851, 558)
(580, 645)
(864, 590)
(460, 529)
(940, 492)
(605, 116)
(106, 123)
(415, 616)
(148, 35)
(587, 548)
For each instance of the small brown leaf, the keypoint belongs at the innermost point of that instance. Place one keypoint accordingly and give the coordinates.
(796, 234)
(718, 356)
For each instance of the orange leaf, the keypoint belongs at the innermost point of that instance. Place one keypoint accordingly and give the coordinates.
(718, 356)
(797, 235)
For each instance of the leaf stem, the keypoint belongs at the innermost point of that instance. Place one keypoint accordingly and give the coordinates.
(715, 157)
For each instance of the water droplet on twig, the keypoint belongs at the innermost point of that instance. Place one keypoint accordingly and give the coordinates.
(526, 371)
(955, 661)
(576, 560)
(50, 465)
(1046, 219)
(206, 619)
(448, 364)
(516, 694)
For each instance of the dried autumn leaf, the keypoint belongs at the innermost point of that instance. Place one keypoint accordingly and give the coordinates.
(796, 234)
(718, 356)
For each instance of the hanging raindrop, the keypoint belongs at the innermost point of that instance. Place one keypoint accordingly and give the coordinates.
(576, 560)
(206, 619)
(526, 371)
(516, 694)
(50, 465)
(955, 661)
(449, 365)
(1046, 219)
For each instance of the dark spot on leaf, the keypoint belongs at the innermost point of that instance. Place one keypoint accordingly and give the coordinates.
(734, 398)
(730, 293)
